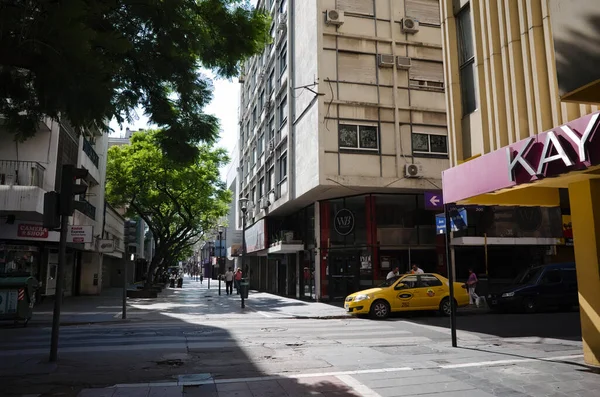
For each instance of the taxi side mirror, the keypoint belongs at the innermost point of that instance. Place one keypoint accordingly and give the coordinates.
(400, 286)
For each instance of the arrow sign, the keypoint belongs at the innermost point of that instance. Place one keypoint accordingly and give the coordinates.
(434, 200)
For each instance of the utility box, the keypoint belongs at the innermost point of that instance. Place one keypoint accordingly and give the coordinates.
(244, 288)
(17, 298)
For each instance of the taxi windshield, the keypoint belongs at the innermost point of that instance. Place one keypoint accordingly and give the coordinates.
(389, 282)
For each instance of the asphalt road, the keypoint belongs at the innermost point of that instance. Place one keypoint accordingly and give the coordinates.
(152, 349)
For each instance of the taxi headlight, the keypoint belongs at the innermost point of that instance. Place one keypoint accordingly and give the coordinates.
(508, 294)
(361, 297)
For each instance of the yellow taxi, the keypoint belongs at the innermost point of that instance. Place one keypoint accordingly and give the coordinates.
(428, 291)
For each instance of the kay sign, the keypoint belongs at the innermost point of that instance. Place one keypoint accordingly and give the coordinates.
(563, 149)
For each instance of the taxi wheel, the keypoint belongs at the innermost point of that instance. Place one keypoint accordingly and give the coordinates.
(380, 310)
(445, 307)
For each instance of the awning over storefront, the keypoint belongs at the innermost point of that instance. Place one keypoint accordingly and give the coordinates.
(286, 248)
(571, 151)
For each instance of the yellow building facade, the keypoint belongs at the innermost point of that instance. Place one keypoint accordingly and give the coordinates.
(516, 133)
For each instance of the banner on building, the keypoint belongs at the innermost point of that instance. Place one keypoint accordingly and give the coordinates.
(80, 234)
(106, 246)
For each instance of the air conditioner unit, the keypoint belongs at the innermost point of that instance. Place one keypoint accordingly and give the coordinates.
(334, 17)
(269, 104)
(271, 145)
(403, 62)
(260, 78)
(242, 78)
(410, 25)
(385, 61)
(413, 170)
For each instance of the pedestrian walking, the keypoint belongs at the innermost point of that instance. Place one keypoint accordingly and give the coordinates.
(238, 280)
(471, 286)
(229, 282)
(201, 278)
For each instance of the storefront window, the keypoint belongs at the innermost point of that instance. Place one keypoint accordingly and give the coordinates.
(19, 259)
(348, 221)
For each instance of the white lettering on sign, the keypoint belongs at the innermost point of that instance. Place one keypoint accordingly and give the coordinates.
(545, 157)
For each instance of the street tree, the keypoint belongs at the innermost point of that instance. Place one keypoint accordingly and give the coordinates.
(178, 202)
(90, 61)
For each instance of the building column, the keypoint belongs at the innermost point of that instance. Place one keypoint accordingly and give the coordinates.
(585, 216)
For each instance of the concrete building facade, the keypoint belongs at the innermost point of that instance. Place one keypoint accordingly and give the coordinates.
(342, 130)
(522, 115)
(27, 171)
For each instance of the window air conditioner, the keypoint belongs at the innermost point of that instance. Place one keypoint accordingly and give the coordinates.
(334, 17)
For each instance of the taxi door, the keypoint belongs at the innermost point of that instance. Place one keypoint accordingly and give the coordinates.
(406, 294)
(431, 291)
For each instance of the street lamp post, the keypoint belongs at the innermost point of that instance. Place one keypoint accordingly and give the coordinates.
(221, 257)
(243, 208)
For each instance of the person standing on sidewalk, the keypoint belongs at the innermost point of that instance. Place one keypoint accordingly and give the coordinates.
(472, 285)
(229, 282)
(201, 278)
(238, 280)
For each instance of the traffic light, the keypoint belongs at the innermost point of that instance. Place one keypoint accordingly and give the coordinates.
(69, 188)
(130, 235)
(51, 219)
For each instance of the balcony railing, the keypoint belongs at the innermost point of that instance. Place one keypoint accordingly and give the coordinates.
(22, 173)
(88, 149)
(86, 208)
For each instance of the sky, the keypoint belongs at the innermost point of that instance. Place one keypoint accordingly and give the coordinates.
(224, 106)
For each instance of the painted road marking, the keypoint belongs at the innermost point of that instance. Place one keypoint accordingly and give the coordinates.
(357, 386)
(373, 371)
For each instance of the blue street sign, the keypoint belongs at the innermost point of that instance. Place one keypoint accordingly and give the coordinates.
(434, 200)
(458, 221)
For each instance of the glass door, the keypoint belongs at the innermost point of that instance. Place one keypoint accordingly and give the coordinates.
(344, 274)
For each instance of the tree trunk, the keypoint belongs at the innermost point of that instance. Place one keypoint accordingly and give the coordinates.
(153, 265)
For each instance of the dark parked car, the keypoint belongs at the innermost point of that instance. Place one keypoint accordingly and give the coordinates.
(541, 287)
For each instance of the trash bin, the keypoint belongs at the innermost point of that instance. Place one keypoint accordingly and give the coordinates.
(244, 287)
(17, 298)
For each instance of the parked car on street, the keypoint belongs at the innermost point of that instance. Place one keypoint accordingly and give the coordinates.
(409, 292)
(538, 288)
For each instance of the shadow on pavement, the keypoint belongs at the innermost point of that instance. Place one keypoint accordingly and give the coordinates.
(214, 351)
(555, 325)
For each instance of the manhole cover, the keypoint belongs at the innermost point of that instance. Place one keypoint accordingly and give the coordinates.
(273, 329)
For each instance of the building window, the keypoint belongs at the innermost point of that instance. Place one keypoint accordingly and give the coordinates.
(272, 128)
(427, 12)
(261, 144)
(261, 188)
(283, 110)
(466, 59)
(271, 179)
(429, 143)
(283, 167)
(253, 155)
(254, 116)
(426, 74)
(261, 101)
(362, 137)
(282, 6)
(271, 81)
(282, 59)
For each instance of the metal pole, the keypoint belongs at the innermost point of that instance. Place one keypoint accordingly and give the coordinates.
(450, 276)
(124, 309)
(243, 251)
(221, 257)
(62, 249)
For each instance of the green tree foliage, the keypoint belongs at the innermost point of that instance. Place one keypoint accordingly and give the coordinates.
(92, 60)
(178, 202)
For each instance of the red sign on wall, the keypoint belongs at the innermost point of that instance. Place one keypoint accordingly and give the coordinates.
(32, 231)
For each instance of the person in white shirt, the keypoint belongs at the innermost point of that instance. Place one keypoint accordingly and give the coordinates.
(393, 273)
(416, 269)
(229, 282)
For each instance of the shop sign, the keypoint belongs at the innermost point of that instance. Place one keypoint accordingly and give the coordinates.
(343, 222)
(562, 148)
(80, 234)
(31, 231)
(106, 246)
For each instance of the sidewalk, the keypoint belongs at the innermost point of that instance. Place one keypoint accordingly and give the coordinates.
(194, 299)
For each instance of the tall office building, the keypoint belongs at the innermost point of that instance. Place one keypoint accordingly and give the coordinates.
(342, 130)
